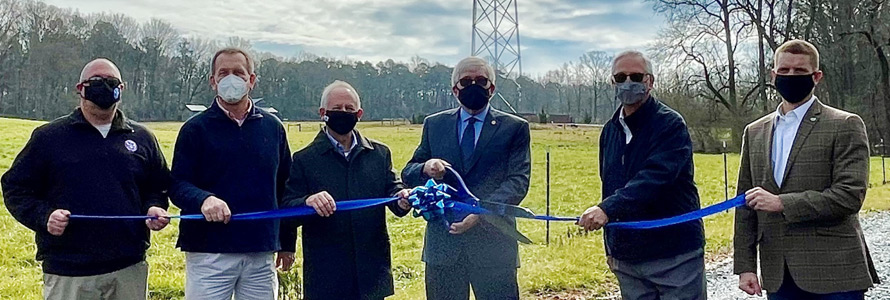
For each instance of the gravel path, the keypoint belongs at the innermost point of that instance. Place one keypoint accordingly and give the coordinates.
(723, 285)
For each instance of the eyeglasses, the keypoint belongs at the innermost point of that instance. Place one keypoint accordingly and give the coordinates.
(480, 81)
(635, 77)
(110, 82)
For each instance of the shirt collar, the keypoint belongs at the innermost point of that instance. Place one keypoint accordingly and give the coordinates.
(642, 115)
(480, 117)
(796, 113)
(231, 115)
(339, 146)
(119, 122)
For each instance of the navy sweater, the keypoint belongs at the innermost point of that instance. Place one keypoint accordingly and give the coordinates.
(649, 178)
(67, 164)
(245, 166)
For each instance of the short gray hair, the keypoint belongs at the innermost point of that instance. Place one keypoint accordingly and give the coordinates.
(470, 63)
(629, 53)
(339, 84)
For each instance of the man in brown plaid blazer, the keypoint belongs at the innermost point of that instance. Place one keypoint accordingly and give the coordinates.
(804, 171)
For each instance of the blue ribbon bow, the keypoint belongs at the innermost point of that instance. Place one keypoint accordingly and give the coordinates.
(431, 200)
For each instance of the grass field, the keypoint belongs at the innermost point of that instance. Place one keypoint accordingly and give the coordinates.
(573, 260)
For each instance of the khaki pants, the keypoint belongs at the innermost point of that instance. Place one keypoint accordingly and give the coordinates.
(220, 276)
(130, 283)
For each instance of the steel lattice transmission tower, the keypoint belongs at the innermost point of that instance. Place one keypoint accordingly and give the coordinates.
(496, 38)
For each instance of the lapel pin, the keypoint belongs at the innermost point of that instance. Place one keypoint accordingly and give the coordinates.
(493, 122)
(813, 119)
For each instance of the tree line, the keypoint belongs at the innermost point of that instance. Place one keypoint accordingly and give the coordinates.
(712, 64)
(43, 48)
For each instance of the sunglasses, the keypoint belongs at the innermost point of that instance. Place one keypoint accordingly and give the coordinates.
(110, 82)
(480, 81)
(635, 77)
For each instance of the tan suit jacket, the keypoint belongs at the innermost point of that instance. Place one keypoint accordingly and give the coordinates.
(817, 236)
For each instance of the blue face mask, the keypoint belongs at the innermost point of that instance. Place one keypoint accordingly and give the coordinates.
(630, 93)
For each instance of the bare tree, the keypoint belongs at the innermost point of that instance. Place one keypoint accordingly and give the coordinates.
(710, 35)
(598, 65)
(874, 30)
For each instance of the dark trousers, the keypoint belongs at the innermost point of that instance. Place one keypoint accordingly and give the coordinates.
(790, 291)
(453, 283)
(678, 277)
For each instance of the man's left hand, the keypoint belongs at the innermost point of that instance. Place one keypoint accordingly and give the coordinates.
(460, 227)
(762, 200)
(593, 218)
(403, 199)
(284, 260)
(160, 222)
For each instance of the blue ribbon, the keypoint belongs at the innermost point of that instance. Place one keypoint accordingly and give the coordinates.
(690, 216)
(299, 211)
(435, 201)
(693, 215)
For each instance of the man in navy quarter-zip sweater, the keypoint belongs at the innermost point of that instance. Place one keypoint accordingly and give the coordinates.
(94, 161)
(232, 158)
(647, 173)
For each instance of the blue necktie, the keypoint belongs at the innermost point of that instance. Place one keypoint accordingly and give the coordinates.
(468, 141)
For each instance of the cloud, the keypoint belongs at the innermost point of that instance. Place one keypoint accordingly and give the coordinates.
(552, 31)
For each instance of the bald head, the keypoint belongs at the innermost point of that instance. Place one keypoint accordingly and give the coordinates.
(100, 67)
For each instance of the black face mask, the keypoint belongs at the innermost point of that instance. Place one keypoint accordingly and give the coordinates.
(795, 88)
(104, 92)
(340, 122)
(473, 97)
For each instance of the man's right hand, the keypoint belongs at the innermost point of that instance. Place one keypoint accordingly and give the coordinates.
(749, 283)
(435, 168)
(323, 203)
(593, 218)
(216, 210)
(57, 222)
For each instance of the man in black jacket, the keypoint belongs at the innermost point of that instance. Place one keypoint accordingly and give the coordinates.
(231, 158)
(94, 161)
(647, 173)
(346, 254)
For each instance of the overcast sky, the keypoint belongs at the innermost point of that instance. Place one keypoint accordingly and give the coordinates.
(552, 31)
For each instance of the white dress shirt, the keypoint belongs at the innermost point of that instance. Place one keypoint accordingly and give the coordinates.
(784, 133)
(627, 134)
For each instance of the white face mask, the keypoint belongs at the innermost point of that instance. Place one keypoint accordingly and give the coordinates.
(231, 88)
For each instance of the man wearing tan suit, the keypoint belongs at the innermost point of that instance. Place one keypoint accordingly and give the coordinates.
(804, 171)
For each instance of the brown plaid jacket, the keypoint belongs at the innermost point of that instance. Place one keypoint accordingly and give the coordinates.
(817, 236)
